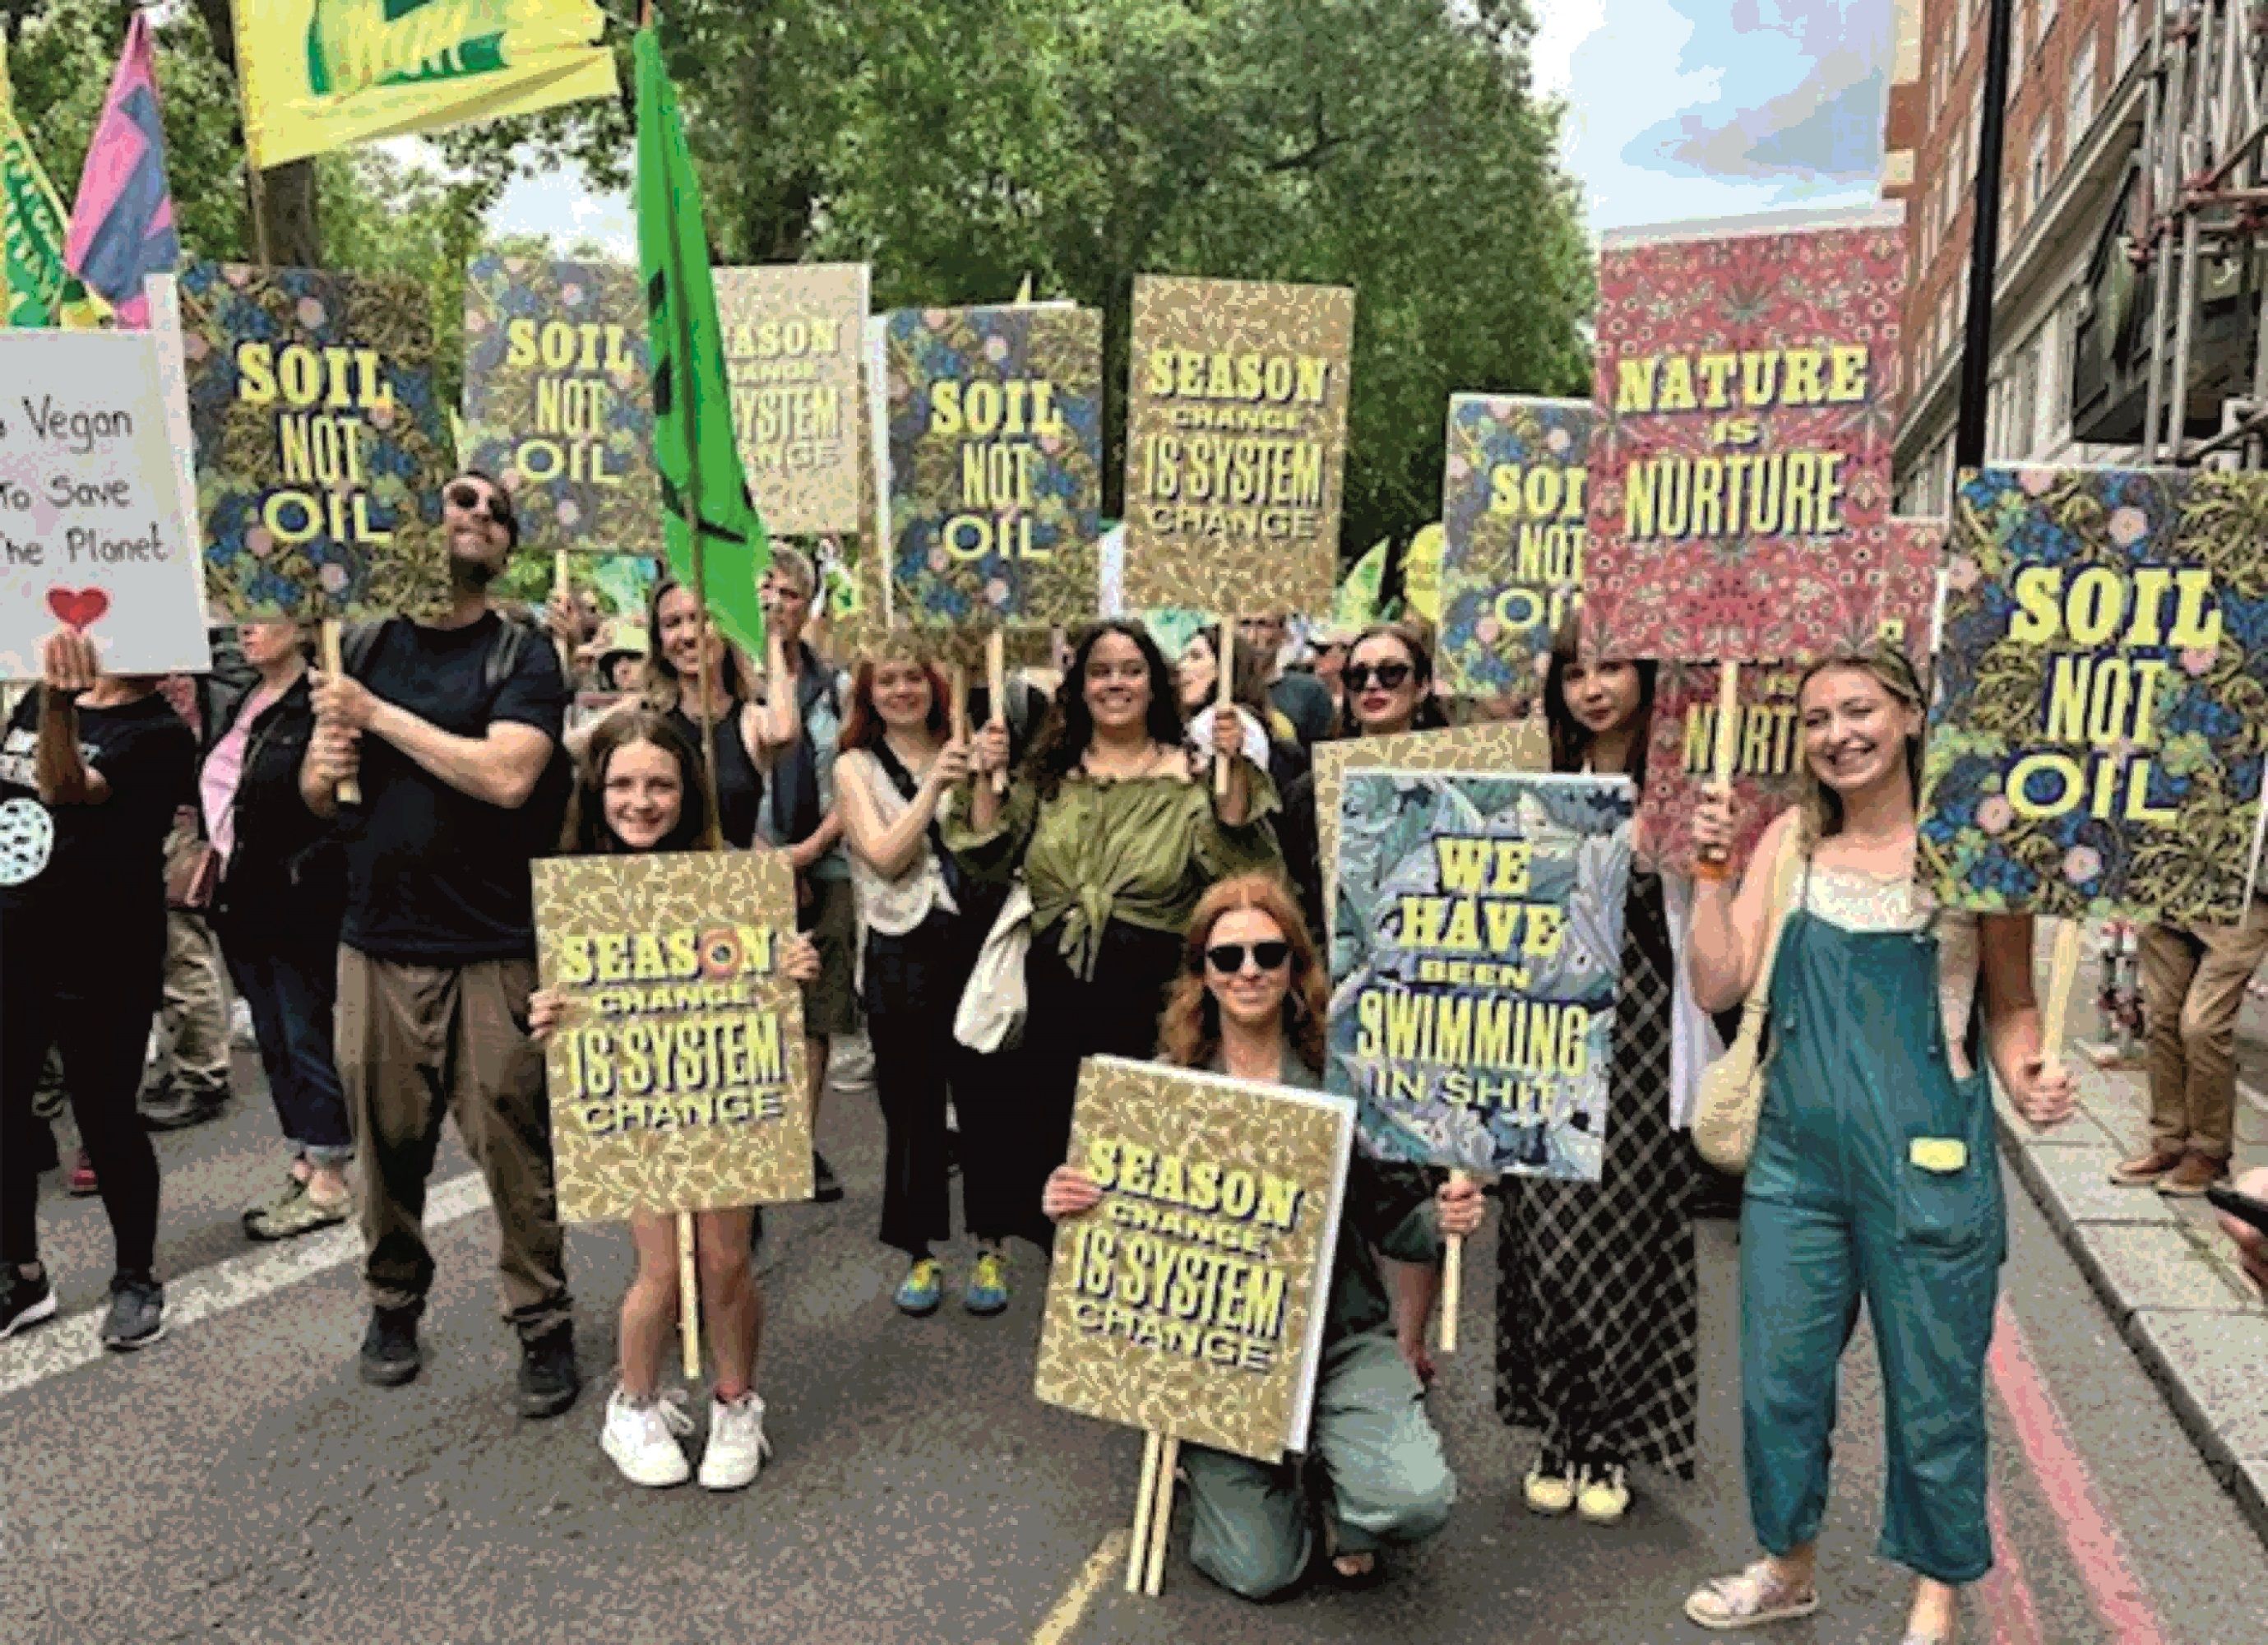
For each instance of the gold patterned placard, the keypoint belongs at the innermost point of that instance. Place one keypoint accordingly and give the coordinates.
(677, 1072)
(1236, 426)
(794, 342)
(1190, 1302)
(1495, 746)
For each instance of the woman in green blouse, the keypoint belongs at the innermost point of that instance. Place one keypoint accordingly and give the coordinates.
(1118, 831)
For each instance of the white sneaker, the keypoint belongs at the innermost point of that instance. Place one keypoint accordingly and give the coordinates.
(737, 1446)
(642, 1438)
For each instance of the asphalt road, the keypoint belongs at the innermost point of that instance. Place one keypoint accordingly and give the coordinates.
(238, 1483)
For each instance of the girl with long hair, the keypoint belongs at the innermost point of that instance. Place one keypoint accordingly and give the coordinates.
(642, 788)
(1250, 1001)
(923, 923)
(1873, 1175)
(1598, 1305)
(1117, 831)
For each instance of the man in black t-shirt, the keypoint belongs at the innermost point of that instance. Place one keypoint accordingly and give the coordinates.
(451, 728)
(1300, 698)
(92, 768)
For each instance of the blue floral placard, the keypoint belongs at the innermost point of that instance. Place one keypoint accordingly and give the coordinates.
(2099, 720)
(1476, 957)
(996, 464)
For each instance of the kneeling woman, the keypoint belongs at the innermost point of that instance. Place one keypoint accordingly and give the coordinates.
(1251, 1002)
(1875, 1176)
(642, 790)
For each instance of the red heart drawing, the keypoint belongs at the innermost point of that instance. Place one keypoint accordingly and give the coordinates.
(80, 608)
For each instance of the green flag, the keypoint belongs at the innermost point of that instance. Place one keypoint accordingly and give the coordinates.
(703, 489)
(36, 289)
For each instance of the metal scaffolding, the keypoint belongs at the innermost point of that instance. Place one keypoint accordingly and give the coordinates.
(2204, 176)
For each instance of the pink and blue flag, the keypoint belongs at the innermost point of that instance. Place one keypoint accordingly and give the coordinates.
(121, 226)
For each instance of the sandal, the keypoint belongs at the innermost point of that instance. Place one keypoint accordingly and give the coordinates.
(1747, 1599)
(1355, 1582)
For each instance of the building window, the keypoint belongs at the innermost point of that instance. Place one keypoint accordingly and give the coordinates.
(2047, 13)
(2079, 112)
(2133, 30)
(2037, 173)
(2019, 44)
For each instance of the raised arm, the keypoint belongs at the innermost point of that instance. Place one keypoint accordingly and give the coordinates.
(1726, 942)
(892, 850)
(67, 667)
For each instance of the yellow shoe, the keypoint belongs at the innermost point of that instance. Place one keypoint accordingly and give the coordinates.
(1549, 1491)
(1605, 1496)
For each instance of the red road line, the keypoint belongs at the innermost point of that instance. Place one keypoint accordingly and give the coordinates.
(2006, 1594)
(2097, 1551)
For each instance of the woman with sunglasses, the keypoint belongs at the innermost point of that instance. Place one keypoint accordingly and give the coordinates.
(642, 789)
(1251, 1002)
(1387, 688)
(1875, 1176)
(1117, 830)
(1598, 1307)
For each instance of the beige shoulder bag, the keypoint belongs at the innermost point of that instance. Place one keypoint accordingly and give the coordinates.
(1732, 1094)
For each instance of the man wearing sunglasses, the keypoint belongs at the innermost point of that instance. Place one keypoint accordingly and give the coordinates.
(451, 724)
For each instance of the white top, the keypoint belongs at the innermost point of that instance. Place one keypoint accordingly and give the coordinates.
(1854, 900)
(893, 907)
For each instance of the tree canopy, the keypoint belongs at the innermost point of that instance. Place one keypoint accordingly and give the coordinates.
(961, 146)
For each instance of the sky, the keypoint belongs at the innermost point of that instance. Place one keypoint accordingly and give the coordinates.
(1676, 108)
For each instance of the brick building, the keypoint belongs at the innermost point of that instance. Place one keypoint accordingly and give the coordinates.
(2068, 157)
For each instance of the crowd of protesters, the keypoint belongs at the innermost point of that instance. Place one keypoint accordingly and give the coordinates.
(352, 845)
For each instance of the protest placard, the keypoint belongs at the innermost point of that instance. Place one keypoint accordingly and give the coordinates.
(1191, 1300)
(1767, 740)
(1514, 492)
(995, 463)
(1236, 425)
(93, 531)
(677, 1074)
(2100, 716)
(1503, 745)
(321, 447)
(559, 401)
(1747, 381)
(794, 338)
(1475, 960)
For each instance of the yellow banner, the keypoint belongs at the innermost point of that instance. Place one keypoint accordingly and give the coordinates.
(325, 74)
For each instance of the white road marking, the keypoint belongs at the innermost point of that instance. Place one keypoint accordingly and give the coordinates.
(52, 1350)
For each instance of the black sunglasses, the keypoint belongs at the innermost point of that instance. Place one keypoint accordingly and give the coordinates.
(1227, 958)
(1391, 676)
(473, 499)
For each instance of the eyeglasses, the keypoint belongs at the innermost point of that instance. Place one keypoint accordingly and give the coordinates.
(473, 499)
(1390, 676)
(1228, 958)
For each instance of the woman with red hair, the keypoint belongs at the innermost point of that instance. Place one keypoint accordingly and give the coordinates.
(1250, 1001)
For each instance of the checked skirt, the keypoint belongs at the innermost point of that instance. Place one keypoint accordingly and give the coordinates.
(1597, 1303)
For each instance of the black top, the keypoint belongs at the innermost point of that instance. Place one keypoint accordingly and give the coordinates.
(434, 876)
(89, 881)
(740, 785)
(285, 878)
(1307, 703)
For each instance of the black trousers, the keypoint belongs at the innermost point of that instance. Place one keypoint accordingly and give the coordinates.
(101, 1042)
(913, 985)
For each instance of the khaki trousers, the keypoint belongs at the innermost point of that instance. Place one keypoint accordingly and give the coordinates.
(2193, 982)
(194, 1020)
(412, 1039)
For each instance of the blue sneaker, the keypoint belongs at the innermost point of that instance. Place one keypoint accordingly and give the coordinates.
(988, 1289)
(920, 1293)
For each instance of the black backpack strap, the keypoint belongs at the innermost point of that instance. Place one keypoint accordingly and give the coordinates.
(504, 654)
(360, 641)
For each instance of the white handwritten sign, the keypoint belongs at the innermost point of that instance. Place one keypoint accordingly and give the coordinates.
(92, 533)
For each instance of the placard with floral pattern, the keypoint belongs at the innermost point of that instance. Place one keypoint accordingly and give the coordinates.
(1749, 383)
(321, 449)
(1514, 495)
(996, 464)
(2100, 720)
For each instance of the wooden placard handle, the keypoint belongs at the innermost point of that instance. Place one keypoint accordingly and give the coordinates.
(960, 702)
(2063, 975)
(1453, 1273)
(562, 589)
(1225, 699)
(1161, 1516)
(1137, 1549)
(995, 681)
(1728, 724)
(349, 792)
(689, 1298)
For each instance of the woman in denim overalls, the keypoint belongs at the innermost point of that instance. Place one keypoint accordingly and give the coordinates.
(1874, 1175)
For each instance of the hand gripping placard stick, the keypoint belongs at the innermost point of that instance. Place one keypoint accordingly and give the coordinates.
(349, 792)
